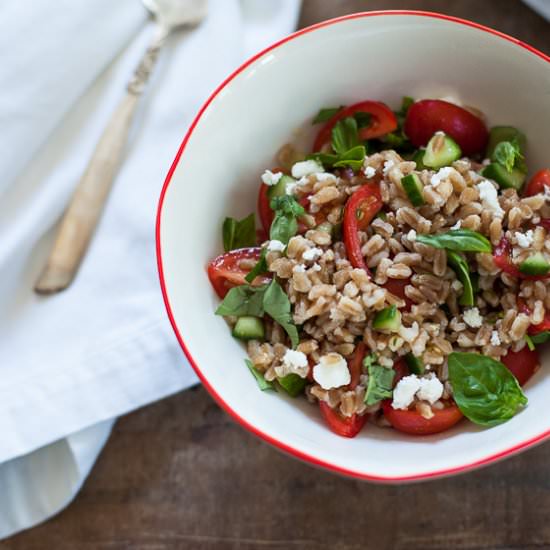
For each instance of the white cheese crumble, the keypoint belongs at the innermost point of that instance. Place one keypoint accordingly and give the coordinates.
(409, 334)
(299, 268)
(472, 317)
(456, 285)
(440, 176)
(431, 389)
(290, 187)
(331, 371)
(370, 172)
(269, 178)
(305, 168)
(275, 246)
(325, 176)
(411, 235)
(489, 198)
(457, 225)
(388, 165)
(312, 254)
(295, 359)
(315, 267)
(495, 338)
(404, 392)
(525, 239)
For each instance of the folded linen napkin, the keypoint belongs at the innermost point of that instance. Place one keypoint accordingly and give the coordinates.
(72, 362)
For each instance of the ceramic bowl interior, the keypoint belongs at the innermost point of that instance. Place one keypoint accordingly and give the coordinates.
(380, 56)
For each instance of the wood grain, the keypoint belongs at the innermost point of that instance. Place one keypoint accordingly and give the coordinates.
(180, 474)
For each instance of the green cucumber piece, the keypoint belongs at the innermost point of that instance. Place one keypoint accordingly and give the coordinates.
(279, 189)
(442, 150)
(541, 337)
(413, 186)
(293, 384)
(497, 134)
(535, 265)
(249, 328)
(387, 319)
(415, 364)
(506, 180)
(418, 157)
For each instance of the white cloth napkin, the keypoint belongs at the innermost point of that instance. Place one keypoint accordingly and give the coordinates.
(70, 363)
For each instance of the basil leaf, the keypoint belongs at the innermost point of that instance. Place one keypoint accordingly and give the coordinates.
(285, 223)
(243, 300)
(345, 136)
(380, 383)
(463, 240)
(484, 389)
(541, 337)
(530, 343)
(259, 268)
(263, 384)
(325, 114)
(326, 159)
(462, 270)
(277, 305)
(353, 158)
(508, 154)
(286, 204)
(239, 234)
(363, 119)
(293, 384)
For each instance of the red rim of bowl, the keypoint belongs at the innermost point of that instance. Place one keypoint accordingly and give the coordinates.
(275, 442)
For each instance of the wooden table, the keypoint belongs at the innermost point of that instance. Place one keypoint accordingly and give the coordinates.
(180, 474)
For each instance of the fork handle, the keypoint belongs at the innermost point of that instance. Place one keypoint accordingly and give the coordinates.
(87, 203)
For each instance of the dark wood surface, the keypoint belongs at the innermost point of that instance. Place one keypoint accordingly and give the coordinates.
(180, 474)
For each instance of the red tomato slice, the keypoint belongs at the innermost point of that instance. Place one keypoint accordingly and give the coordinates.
(397, 288)
(359, 211)
(538, 182)
(412, 422)
(355, 364)
(503, 259)
(264, 210)
(383, 121)
(522, 364)
(426, 117)
(342, 425)
(401, 369)
(545, 222)
(225, 272)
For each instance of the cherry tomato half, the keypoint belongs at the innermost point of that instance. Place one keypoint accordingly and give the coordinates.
(359, 211)
(401, 369)
(383, 121)
(412, 422)
(397, 288)
(522, 364)
(264, 210)
(355, 364)
(538, 182)
(342, 425)
(225, 271)
(502, 256)
(426, 117)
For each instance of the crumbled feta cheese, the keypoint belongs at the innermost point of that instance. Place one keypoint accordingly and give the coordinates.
(489, 198)
(440, 176)
(495, 338)
(411, 235)
(409, 334)
(269, 178)
(457, 225)
(370, 172)
(525, 239)
(299, 268)
(388, 165)
(456, 285)
(431, 389)
(325, 176)
(331, 371)
(315, 267)
(404, 391)
(295, 359)
(305, 168)
(312, 254)
(290, 187)
(472, 317)
(275, 246)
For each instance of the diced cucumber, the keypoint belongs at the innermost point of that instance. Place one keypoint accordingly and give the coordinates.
(498, 134)
(387, 319)
(442, 150)
(541, 337)
(505, 179)
(279, 189)
(413, 187)
(415, 364)
(535, 265)
(293, 384)
(418, 157)
(249, 328)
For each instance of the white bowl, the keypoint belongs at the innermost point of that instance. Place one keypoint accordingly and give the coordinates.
(375, 55)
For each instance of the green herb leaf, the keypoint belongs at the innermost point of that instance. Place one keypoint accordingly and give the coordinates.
(326, 114)
(286, 204)
(293, 384)
(530, 343)
(259, 268)
(462, 270)
(541, 337)
(239, 233)
(263, 384)
(326, 159)
(508, 153)
(285, 223)
(463, 240)
(363, 119)
(345, 136)
(353, 158)
(277, 305)
(243, 300)
(380, 384)
(484, 389)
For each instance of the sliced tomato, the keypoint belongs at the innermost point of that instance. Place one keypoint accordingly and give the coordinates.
(225, 271)
(522, 364)
(383, 121)
(545, 222)
(359, 211)
(503, 259)
(346, 426)
(397, 288)
(355, 364)
(412, 422)
(538, 182)
(264, 210)
(401, 369)
(426, 117)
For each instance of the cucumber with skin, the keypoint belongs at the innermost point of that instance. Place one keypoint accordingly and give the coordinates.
(279, 189)
(535, 265)
(506, 180)
(387, 319)
(442, 150)
(413, 187)
(415, 364)
(249, 328)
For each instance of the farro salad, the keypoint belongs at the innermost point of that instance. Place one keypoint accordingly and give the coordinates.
(401, 270)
